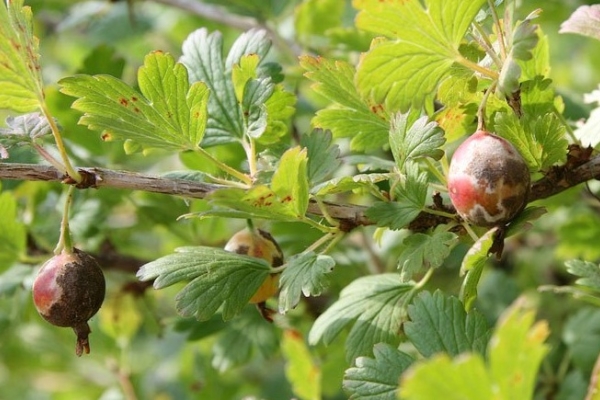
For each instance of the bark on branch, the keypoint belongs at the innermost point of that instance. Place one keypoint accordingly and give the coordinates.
(558, 179)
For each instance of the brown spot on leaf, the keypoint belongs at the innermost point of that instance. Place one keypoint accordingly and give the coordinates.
(123, 101)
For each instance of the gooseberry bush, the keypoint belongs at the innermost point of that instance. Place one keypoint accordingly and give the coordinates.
(316, 199)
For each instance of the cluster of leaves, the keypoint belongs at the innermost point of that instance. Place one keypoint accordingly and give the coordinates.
(384, 111)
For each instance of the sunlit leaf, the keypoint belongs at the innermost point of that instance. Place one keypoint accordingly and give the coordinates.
(21, 87)
(303, 373)
(290, 181)
(405, 71)
(350, 116)
(167, 114)
(411, 139)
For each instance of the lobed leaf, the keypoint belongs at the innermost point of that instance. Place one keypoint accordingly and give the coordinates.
(515, 352)
(168, 113)
(403, 72)
(323, 155)
(421, 251)
(350, 116)
(377, 378)
(21, 87)
(410, 200)
(539, 139)
(305, 274)
(375, 305)
(411, 139)
(440, 324)
(588, 273)
(290, 181)
(203, 57)
(215, 278)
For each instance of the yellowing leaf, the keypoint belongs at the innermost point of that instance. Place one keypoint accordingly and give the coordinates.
(301, 370)
(21, 87)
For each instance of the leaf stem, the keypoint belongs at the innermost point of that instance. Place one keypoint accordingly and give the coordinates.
(433, 169)
(568, 127)
(250, 148)
(225, 168)
(48, 157)
(60, 145)
(423, 281)
(476, 67)
(485, 43)
(325, 213)
(501, 37)
(438, 212)
(470, 231)
(65, 244)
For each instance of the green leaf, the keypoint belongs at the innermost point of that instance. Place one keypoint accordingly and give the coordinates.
(421, 251)
(217, 277)
(301, 370)
(584, 21)
(377, 307)
(539, 138)
(256, 93)
(410, 139)
(377, 378)
(588, 272)
(323, 156)
(290, 181)
(168, 114)
(405, 71)
(473, 264)
(350, 116)
(440, 324)
(244, 337)
(515, 352)
(304, 274)
(21, 87)
(410, 201)
(203, 57)
(12, 232)
(280, 109)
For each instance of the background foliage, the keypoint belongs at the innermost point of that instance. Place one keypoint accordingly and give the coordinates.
(357, 317)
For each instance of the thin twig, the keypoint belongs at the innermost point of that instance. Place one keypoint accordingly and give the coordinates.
(349, 216)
